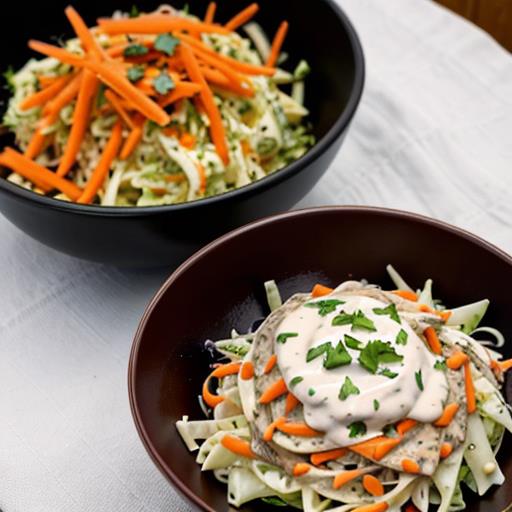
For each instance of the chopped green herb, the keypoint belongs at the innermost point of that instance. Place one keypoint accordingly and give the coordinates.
(311, 391)
(376, 405)
(440, 365)
(376, 352)
(324, 306)
(342, 319)
(389, 311)
(266, 146)
(315, 352)
(348, 388)
(276, 501)
(135, 50)
(356, 429)
(166, 43)
(163, 83)
(134, 11)
(353, 343)
(8, 75)
(402, 337)
(283, 337)
(419, 380)
(357, 319)
(135, 73)
(337, 357)
(186, 9)
(295, 381)
(386, 372)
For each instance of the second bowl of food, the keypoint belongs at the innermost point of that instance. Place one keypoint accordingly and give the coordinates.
(331, 359)
(146, 134)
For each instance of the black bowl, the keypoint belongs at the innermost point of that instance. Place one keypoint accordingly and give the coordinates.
(214, 292)
(168, 234)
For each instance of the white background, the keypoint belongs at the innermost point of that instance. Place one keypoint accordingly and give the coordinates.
(433, 135)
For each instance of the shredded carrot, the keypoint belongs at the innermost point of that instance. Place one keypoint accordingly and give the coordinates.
(457, 360)
(239, 446)
(298, 429)
(272, 360)
(182, 90)
(410, 466)
(242, 17)
(220, 80)
(504, 366)
(101, 171)
(269, 431)
(246, 147)
(274, 391)
(217, 130)
(219, 373)
(470, 389)
(448, 414)
(175, 178)
(375, 448)
(320, 458)
(37, 174)
(405, 425)
(133, 139)
(57, 53)
(45, 95)
(320, 290)
(202, 177)
(36, 144)
(301, 468)
(114, 100)
(411, 508)
(226, 369)
(291, 403)
(277, 44)
(446, 450)
(407, 295)
(346, 476)
(210, 12)
(64, 97)
(44, 80)
(381, 506)
(209, 398)
(433, 340)
(84, 34)
(247, 371)
(188, 141)
(372, 485)
(444, 315)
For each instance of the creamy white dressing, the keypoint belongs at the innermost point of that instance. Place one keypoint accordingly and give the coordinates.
(397, 398)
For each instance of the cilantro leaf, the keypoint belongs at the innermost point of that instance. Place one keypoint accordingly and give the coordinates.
(376, 405)
(163, 83)
(315, 352)
(324, 306)
(8, 75)
(166, 43)
(295, 381)
(363, 322)
(386, 372)
(283, 337)
(440, 365)
(135, 50)
(337, 357)
(358, 428)
(135, 73)
(348, 388)
(402, 337)
(376, 352)
(419, 380)
(353, 343)
(389, 311)
(342, 319)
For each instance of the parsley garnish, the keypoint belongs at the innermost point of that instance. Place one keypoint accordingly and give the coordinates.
(163, 83)
(348, 388)
(440, 365)
(324, 306)
(135, 50)
(357, 319)
(376, 352)
(295, 381)
(311, 391)
(389, 311)
(166, 43)
(8, 75)
(135, 73)
(276, 501)
(342, 319)
(337, 357)
(419, 380)
(376, 405)
(283, 337)
(315, 352)
(353, 343)
(358, 428)
(401, 338)
(386, 372)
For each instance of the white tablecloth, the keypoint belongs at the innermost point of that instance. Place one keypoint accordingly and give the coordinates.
(433, 135)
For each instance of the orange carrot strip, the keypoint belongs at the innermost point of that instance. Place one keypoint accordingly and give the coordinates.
(433, 340)
(156, 24)
(504, 366)
(242, 17)
(36, 144)
(37, 174)
(320, 458)
(132, 141)
(457, 360)
(274, 391)
(411, 508)
(291, 402)
(45, 81)
(113, 99)
(375, 448)
(202, 177)
(269, 431)
(209, 398)
(188, 140)
(470, 389)
(226, 369)
(372, 485)
(383, 448)
(101, 171)
(410, 466)
(217, 131)
(277, 44)
(219, 79)
(183, 90)
(239, 446)
(320, 290)
(448, 414)
(446, 450)
(346, 476)
(40, 97)
(382, 506)
(88, 89)
(407, 295)
(64, 97)
(210, 12)
(298, 429)
(57, 53)
(444, 315)
(405, 425)
(301, 468)
(88, 41)
(272, 360)
(247, 371)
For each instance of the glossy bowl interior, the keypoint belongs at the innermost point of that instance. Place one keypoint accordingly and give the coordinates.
(221, 288)
(167, 234)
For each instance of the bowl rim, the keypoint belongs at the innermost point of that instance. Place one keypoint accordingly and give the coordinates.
(246, 191)
(137, 341)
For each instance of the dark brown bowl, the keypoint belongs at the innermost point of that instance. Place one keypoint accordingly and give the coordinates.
(221, 287)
